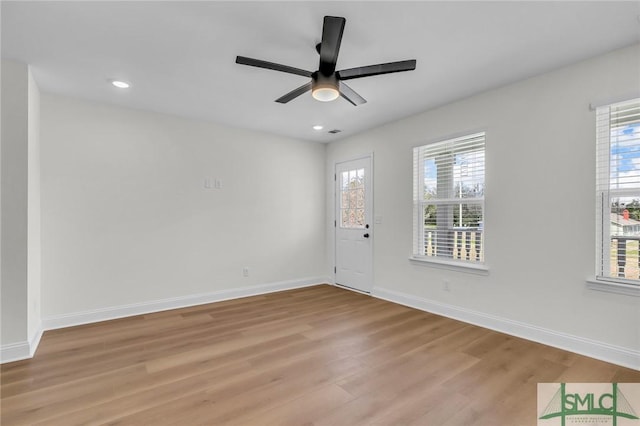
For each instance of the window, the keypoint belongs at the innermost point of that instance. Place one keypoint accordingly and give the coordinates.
(618, 192)
(352, 200)
(448, 200)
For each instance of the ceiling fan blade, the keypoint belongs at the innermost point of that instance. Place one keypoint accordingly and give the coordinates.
(294, 93)
(350, 95)
(332, 30)
(370, 70)
(242, 60)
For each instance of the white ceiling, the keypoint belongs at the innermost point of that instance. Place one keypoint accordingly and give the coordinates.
(180, 56)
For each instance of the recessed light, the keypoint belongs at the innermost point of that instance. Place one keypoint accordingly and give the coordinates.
(120, 84)
(317, 127)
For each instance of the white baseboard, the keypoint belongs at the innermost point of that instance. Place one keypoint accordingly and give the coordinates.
(35, 340)
(603, 351)
(21, 350)
(115, 312)
(614, 354)
(24, 350)
(15, 352)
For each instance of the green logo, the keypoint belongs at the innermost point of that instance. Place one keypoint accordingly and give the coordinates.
(588, 404)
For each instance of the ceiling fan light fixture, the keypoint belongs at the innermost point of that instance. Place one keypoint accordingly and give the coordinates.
(324, 88)
(325, 93)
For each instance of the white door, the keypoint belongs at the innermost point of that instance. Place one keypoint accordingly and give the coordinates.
(354, 230)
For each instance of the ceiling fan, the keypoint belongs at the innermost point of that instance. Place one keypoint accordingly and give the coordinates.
(326, 83)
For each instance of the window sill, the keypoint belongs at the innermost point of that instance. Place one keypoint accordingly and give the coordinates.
(613, 286)
(471, 268)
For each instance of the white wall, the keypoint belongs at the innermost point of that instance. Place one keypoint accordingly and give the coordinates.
(540, 206)
(126, 218)
(14, 202)
(20, 288)
(33, 209)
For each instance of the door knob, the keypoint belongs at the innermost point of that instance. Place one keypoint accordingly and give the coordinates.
(366, 235)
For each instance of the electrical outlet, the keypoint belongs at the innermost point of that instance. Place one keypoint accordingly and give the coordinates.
(245, 271)
(218, 184)
(446, 286)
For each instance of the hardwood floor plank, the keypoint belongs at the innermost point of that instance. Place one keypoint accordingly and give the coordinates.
(319, 355)
(304, 409)
(449, 404)
(354, 412)
(206, 352)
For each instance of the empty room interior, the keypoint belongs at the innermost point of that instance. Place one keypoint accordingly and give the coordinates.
(326, 213)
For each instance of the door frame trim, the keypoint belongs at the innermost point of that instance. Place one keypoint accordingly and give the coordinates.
(365, 156)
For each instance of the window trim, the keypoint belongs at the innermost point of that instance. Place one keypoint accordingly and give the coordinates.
(615, 285)
(452, 265)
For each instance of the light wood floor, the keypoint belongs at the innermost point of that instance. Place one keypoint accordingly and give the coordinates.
(319, 355)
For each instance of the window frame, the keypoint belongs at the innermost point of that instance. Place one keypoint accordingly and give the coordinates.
(604, 196)
(418, 233)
